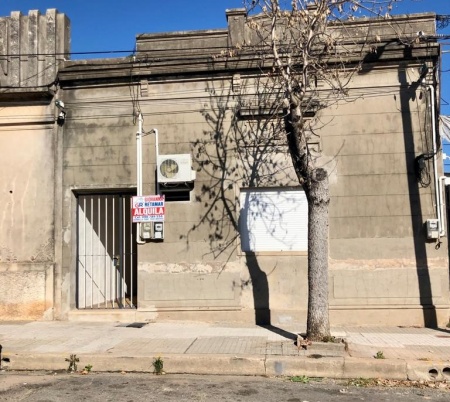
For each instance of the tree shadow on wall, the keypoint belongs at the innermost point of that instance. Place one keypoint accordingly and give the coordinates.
(240, 147)
(413, 92)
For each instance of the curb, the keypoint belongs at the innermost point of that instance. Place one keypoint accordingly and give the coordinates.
(173, 363)
(245, 365)
(331, 367)
(428, 370)
(374, 368)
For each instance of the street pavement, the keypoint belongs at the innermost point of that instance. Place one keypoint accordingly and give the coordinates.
(228, 349)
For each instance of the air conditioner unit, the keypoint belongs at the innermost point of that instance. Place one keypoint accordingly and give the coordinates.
(175, 168)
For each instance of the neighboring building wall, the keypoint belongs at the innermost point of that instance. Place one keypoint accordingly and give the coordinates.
(27, 222)
(27, 141)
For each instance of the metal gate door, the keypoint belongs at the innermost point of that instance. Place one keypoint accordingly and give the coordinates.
(107, 258)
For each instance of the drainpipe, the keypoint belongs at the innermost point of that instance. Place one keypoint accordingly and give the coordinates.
(139, 172)
(437, 185)
(443, 181)
(155, 130)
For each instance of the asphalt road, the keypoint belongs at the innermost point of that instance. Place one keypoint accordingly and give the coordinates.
(46, 387)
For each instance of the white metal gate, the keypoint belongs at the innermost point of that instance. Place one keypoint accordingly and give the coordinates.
(107, 258)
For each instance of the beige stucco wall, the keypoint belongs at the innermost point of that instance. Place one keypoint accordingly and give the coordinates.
(26, 221)
(28, 138)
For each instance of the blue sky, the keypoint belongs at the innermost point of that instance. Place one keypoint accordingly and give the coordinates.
(106, 25)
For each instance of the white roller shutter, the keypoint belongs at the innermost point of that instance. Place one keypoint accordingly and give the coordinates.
(273, 220)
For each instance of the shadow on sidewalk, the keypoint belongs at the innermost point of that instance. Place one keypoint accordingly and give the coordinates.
(444, 330)
(282, 332)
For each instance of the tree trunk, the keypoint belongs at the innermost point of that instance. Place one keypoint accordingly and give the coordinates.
(318, 324)
(315, 183)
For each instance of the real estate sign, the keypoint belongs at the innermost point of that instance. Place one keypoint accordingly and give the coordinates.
(148, 208)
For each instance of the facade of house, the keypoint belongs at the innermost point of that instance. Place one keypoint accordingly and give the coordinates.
(234, 244)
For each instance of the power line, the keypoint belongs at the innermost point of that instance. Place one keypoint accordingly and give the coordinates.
(131, 52)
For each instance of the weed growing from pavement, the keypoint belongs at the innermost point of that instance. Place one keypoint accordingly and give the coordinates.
(158, 365)
(379, 355)
(88, 368)
(73, 360)
(361, 382)
(300, 378)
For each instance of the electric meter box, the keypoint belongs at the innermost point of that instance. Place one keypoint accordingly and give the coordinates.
(152, 230)
(146, 230)
(158, 230)
(432, 229)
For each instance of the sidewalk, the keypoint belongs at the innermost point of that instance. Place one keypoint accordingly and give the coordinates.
(202, 348)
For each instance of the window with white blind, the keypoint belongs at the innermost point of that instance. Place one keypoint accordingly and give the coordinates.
(273, 219)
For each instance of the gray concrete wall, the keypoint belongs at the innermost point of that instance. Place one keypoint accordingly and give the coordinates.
(378, 242)
(380, 261)
(382, 268)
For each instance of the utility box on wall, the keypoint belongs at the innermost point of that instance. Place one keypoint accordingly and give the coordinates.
(152, 230)
(432, 229)
(158, 230)
(146, 230)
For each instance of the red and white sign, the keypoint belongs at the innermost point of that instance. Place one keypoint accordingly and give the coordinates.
(148, 208)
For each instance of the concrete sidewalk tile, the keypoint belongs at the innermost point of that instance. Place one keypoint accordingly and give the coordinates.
(99, 345)
(374, 368)
(146, 347)
(20, 345)
(295, 366)
(289, 349)
(274, 348)
(45, 345)
(227, 345)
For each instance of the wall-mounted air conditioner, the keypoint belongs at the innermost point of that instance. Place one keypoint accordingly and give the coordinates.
(175, 168)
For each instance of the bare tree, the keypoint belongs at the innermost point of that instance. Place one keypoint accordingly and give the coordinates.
(304, 45)
(297, 57)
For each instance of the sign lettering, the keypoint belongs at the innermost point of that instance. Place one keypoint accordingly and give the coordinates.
(148, 208)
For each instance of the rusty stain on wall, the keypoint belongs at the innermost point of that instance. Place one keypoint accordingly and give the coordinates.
(22, 311)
